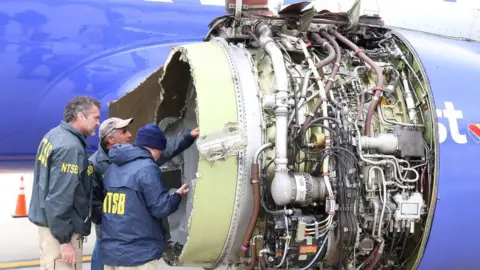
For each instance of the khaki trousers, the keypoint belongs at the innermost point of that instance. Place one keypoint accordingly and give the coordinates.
(151, 265)
(50, 255)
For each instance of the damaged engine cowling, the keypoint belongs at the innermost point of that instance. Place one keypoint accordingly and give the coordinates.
(318, 146)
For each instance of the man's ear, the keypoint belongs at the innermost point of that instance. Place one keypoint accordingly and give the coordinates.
(110, 139)
(81, 116)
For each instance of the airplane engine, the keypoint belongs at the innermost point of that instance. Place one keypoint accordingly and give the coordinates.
(318, 145)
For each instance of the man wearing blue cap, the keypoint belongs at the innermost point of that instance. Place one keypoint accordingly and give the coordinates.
(116, 131)
(136, 201)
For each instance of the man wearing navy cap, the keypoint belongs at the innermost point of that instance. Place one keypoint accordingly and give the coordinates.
(116, 131)
(136, 201)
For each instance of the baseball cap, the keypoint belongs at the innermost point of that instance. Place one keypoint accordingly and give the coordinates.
(112, 123)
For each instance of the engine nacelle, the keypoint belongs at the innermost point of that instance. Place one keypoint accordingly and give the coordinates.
(318, 145)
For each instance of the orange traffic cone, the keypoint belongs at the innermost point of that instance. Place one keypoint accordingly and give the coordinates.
(21, 209)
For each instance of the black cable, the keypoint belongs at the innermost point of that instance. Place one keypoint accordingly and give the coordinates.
(345, 217)
(331, 149)
(263, 178)
(295, 97)
(301, 135)
(314, 121)
(262, 201)
(290, 137)
(254, 37)
(393, 244)
(327, 118)
(342, 219)
(411, 254)
(403, 245)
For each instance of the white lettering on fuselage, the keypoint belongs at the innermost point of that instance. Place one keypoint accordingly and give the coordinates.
(452, 117)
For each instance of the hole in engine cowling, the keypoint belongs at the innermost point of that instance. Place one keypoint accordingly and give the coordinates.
(168, 97)
(178, 111)
(174, 103)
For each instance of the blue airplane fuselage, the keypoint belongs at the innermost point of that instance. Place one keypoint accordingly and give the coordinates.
(52, 50)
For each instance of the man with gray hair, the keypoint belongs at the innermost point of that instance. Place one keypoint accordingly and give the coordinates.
(115, 131)
(61, 192)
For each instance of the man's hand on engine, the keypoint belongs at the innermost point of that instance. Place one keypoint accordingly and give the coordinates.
(183, 190)
(195, 132)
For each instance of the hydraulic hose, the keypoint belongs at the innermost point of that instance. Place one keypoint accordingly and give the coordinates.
(371, 256)
(253, 260)
(331, 52)
(376, 257)
(261, 259)
(255, 172)
(336, 66)
(374, 262)
(253, 219)
(379, 84)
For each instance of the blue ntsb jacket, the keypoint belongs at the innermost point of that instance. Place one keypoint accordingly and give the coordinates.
(135, 202)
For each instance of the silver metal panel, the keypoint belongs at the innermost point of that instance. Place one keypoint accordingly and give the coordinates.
(253, 118)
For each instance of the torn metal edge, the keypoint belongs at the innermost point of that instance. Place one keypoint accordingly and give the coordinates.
(110, 102)
(183, 57)
(161, 95)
